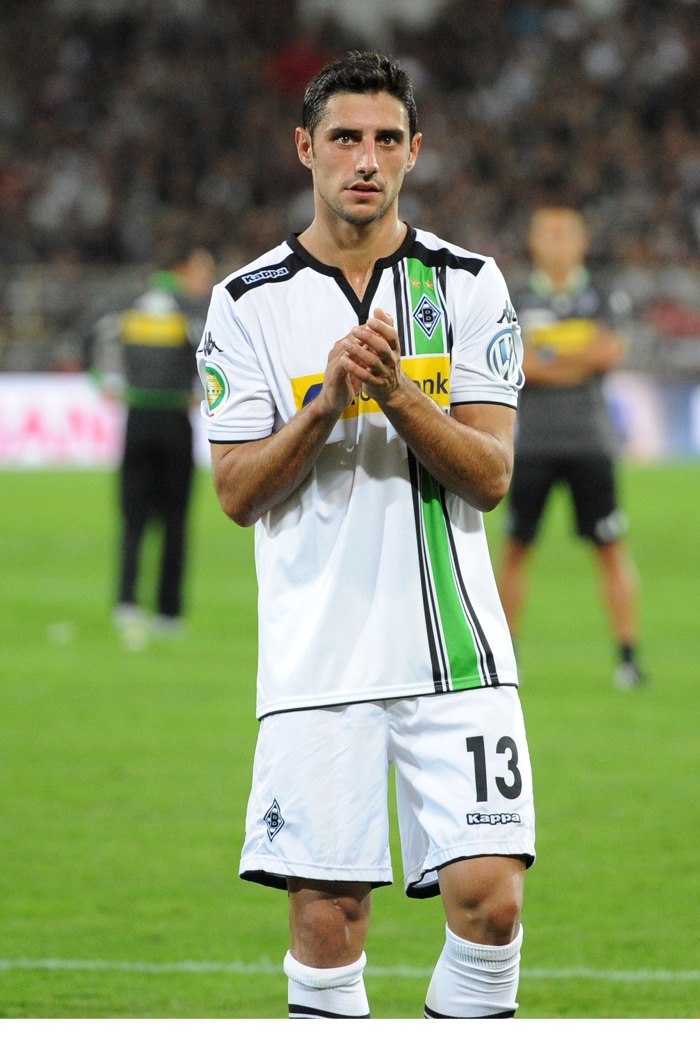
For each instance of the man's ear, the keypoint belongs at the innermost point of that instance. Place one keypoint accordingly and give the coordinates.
(304, 146)
(415, 148)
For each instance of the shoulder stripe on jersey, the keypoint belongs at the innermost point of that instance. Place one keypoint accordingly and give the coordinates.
(445, 257)
(277, 273)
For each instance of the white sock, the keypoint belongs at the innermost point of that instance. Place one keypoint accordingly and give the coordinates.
(326, 993)
(474, 982)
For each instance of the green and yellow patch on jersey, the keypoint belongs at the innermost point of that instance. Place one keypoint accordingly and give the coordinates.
(217, 388)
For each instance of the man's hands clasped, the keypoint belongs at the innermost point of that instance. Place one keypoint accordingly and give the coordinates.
(368, 359)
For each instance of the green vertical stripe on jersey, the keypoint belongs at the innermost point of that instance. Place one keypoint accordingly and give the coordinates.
(455, 631)
(422, 283)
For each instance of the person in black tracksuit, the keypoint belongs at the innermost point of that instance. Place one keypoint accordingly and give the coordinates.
(158, 335)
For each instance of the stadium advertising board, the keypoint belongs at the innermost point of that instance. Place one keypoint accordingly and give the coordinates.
(64, 421)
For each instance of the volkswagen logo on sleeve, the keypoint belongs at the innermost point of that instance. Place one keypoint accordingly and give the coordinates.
(502, 358)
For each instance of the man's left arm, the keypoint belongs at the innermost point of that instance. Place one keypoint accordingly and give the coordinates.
(468, 451)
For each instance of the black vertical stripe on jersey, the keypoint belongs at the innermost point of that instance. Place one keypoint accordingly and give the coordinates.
(486, 657)
(441, 288)
(401, 323)
(430, 612)
(400, 310)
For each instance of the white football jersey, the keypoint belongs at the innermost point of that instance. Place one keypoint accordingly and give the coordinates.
(374, 581)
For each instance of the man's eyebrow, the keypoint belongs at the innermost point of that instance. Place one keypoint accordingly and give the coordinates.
(392, 132)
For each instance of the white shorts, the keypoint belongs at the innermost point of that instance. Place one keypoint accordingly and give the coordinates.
(319, 802)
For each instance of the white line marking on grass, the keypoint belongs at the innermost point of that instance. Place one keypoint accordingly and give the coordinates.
(275, 968)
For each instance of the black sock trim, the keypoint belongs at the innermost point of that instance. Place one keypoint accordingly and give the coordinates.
(318, 1013)
(430, 1014)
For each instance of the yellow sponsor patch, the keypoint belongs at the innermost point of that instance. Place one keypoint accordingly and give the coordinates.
(162, 331)
(566, 337)
(429, 372)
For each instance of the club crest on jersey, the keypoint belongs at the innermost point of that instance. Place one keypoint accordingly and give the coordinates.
(217, 388)
(427, 315)
(502, 358)
(273, 820)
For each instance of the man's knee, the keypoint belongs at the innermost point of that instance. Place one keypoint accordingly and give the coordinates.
(483, 898)
(328, 921)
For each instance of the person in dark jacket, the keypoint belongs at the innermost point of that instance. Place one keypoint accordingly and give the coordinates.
(565, 434)
(158, 335)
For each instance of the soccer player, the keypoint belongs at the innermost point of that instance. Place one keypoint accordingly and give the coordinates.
(565, 433)
(362, 381)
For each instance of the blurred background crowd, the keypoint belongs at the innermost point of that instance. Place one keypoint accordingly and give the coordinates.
(120, 117)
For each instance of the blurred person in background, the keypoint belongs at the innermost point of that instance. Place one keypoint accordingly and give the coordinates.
(361, 380)
(565, 435)
(157, 336)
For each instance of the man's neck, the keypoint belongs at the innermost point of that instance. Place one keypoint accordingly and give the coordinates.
(354, 249)
(560, 281)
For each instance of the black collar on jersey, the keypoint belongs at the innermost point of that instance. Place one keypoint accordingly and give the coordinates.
(361, 307)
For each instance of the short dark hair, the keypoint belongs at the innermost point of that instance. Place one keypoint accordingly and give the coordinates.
(358, 72)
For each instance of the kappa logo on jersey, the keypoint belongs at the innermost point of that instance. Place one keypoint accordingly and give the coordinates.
(430, 372)
(217, 388)
(427, 315)
(508, 315)
(502, 359)
(210, 345)
(492, 818)
(273, 820)
(265, 273)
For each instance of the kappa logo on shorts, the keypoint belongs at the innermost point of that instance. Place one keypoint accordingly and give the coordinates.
(492, 818)
(273, 819)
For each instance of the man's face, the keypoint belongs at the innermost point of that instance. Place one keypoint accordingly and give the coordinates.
(558, 239)
(359, 155)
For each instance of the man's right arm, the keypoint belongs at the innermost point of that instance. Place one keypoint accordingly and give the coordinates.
(250, 478)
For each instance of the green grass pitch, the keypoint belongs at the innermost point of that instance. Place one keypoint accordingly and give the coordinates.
(124, 776)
